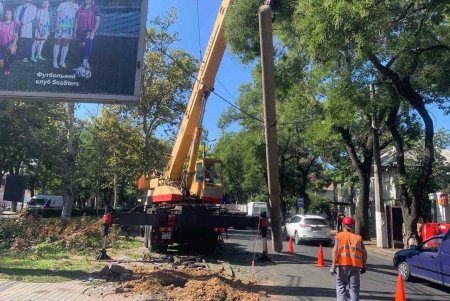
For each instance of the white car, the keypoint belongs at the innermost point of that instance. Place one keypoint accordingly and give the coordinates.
(311, 228)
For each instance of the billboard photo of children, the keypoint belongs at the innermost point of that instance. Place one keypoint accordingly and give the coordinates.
(72, 48)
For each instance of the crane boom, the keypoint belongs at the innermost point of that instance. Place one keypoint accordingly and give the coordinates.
(197, 101)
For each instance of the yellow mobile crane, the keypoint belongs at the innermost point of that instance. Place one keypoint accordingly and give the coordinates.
(184, 205)
(202, 181)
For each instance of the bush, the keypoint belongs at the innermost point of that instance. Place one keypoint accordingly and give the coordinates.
(319, 205)
(49, 250)
(51, 235)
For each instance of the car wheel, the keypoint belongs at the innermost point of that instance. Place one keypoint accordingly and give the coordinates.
(296, 238)
(403, 269)
(285, 235)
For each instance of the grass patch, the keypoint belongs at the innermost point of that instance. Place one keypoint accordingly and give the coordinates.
(47, 270)
(48, 263)
(51, 250)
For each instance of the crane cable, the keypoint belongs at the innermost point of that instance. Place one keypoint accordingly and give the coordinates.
(183, 68)
(198, 29)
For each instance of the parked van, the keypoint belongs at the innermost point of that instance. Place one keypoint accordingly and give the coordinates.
(255, 208)
(250, 209)
(44, 201)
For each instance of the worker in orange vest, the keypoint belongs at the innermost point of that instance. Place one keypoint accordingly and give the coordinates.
(349, 259)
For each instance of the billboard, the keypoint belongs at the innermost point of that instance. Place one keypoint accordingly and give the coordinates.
(69, 50)
(14, 188)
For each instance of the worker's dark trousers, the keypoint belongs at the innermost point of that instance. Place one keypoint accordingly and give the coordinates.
(347, 275)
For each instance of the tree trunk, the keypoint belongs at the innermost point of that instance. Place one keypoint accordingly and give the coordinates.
(14, 206)
(352, 200)
(70, 163)
(409, 217)
(115, 191)
(409, 227)
(97, 196)
(362, 225)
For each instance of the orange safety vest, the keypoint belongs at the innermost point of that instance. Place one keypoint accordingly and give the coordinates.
(349, 248)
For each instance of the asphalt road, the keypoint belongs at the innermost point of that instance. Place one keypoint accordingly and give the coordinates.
(296, 277)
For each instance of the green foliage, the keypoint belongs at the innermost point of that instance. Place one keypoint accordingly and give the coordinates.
(441, 177)
(243, 153)
(243, 17)
(244, 171)
(164, 93)
(32, 142)
(342, 46)
(50, 237)
(319, 204)
(50, 250)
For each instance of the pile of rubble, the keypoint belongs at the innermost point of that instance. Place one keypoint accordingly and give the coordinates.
(176, 278)
(114, 272)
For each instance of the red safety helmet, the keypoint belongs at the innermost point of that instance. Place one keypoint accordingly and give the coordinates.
(348, 221)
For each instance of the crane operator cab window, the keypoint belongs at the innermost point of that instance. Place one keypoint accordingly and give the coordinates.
(211, 172)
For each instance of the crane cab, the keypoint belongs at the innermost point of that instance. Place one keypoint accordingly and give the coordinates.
(207, 184)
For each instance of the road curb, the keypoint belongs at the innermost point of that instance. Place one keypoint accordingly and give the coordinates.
(383, 252)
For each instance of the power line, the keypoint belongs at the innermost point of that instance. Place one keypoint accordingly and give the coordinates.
(182, 67)
(225, 88)
(89, 112)
(237, 108)
(198, 29)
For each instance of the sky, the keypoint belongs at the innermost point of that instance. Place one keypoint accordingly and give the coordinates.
(231, 72)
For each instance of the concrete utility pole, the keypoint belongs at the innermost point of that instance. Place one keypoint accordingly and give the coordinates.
(270, 122)
(380, 223)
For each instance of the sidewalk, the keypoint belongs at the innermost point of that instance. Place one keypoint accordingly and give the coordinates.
(371, 247)
(8, 213)
(25, 291)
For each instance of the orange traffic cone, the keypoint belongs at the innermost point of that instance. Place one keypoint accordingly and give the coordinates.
(320, 262)
(400, 291)
(290, 246)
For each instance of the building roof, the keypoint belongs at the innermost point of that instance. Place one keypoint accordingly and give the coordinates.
(446, 154)
(388, 157)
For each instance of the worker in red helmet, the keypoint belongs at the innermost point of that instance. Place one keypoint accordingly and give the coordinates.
(349, 258)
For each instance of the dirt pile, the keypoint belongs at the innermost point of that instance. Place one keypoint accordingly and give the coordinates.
(187, 284)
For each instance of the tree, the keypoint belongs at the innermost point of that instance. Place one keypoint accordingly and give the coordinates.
(31, 135)
(166, 87)
(122, 146)
(69, 162)
(90, 163)
(243, 153)
(402, 43)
